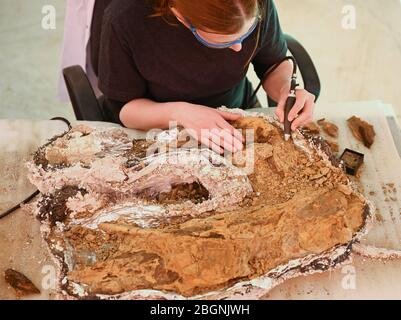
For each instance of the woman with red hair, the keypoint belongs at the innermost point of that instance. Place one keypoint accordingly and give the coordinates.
(159, 61)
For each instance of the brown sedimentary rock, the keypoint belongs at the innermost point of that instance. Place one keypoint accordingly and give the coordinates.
(362, 131)
(329, 128)
(20, 283)
(210, 226)
(206, 254)
(311, 128)
(334, 146)
(53, 206)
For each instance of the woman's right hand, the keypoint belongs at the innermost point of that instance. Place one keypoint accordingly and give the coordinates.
(209, 126)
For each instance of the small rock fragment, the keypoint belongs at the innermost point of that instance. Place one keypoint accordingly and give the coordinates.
(344, 189)
(379, 218)
(22, 285)
(324, 171)
(329, 128)
(311, 128)
(333, 146)
(362, 131)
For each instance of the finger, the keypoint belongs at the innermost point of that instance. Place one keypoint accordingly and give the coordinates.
(223, 140)
(211, 145)
(229, 115)
(280, 107)
(306, 115)
(208, 142)
(237, 139)
(298, 106)
(223, 124)
(229, 139)
(200, 135)
(301, 120)
(193, 133)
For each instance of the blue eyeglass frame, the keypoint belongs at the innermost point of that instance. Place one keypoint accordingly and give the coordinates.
(223, 45)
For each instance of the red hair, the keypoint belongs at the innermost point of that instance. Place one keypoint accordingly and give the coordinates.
(220, 16)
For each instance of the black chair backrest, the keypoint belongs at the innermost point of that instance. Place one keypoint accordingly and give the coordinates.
(83, 99)
(306, 67)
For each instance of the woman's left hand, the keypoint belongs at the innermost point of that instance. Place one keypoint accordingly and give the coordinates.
(301, 112)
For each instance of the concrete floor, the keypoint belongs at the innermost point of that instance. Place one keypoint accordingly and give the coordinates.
(360, 64)
(29, 61)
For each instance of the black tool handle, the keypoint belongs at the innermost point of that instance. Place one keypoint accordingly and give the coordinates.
(288, 106)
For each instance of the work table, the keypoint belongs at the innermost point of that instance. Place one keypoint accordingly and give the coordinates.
(24, 250)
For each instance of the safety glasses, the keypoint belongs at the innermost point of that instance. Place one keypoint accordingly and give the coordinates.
(227, 44)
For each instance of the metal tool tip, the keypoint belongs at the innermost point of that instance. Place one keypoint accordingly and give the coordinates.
(287, 137)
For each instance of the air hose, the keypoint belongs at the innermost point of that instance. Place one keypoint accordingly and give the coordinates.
(270, 71)
(34, 194)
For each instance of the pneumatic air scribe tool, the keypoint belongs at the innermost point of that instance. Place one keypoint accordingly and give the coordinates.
(291, 96)
(288, 106)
